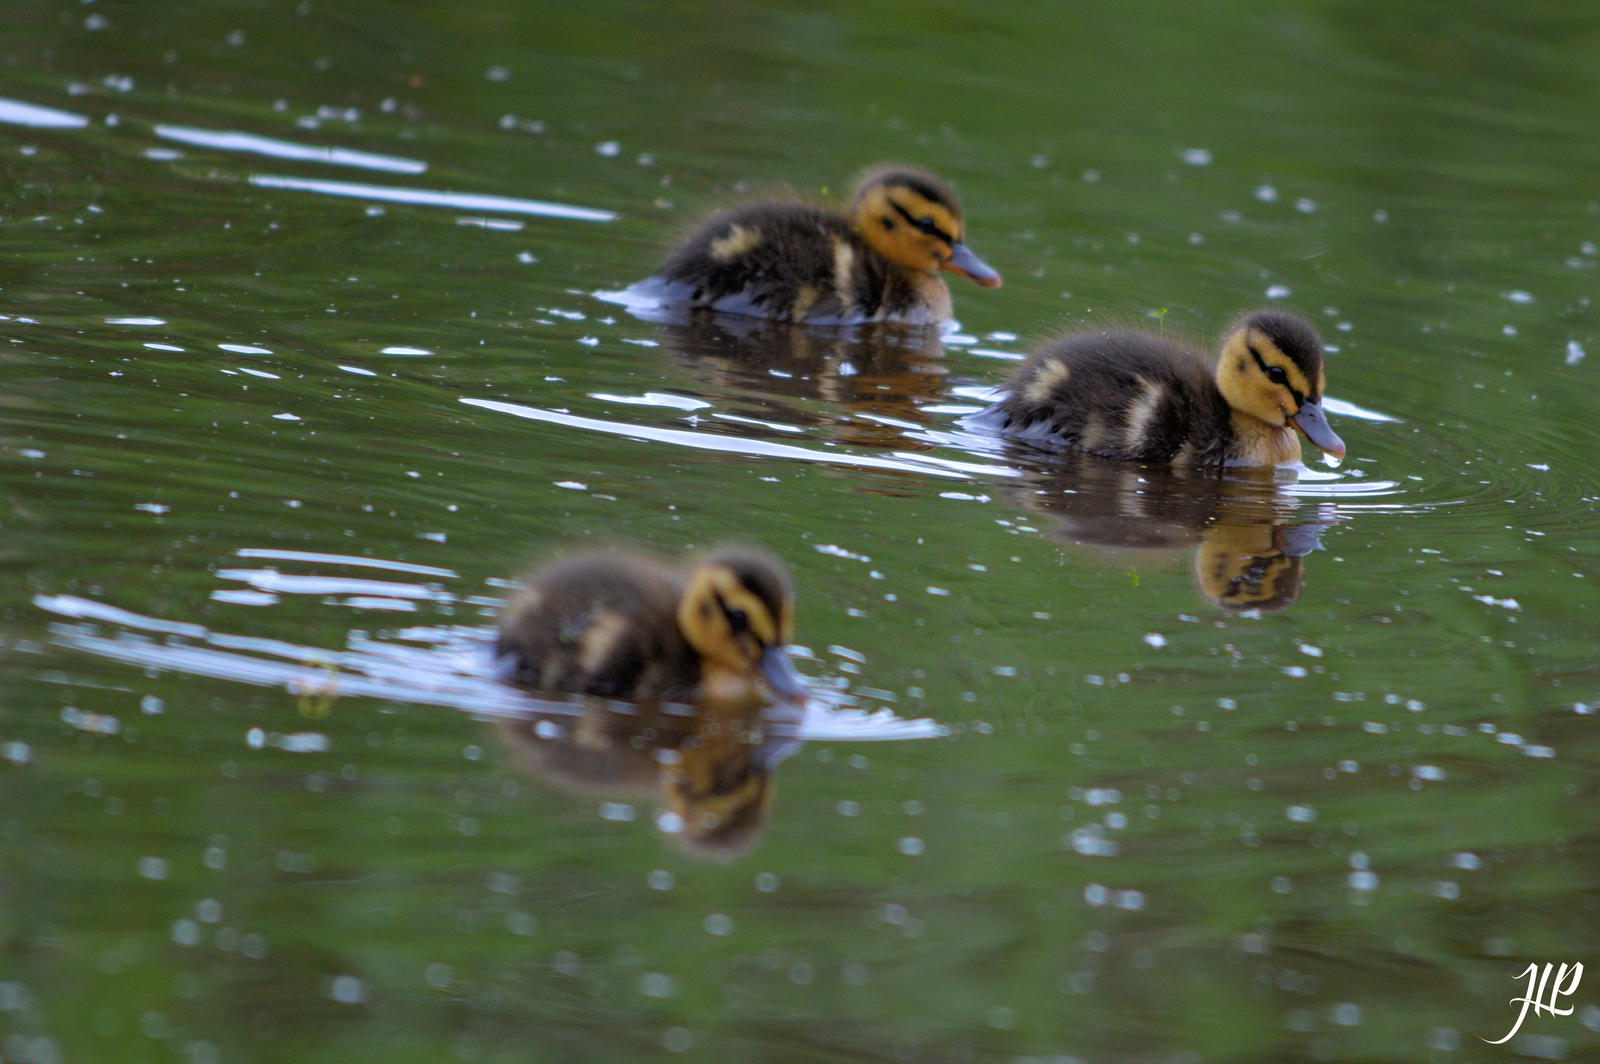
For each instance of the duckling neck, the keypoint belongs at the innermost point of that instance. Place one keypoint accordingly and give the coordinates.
(726, 688)
(1257, 443)
(932, 293)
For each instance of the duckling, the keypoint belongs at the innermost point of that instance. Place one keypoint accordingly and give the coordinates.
(628, 626)
(803, 263)
(1135, 395)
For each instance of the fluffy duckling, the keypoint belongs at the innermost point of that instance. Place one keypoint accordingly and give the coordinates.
(802, 263)
(1136, 395)
(628, 626)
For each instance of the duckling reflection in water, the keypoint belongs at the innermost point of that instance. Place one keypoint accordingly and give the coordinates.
(1137, 395)
(796, 262)
(712, 768)
(623, 625)
(1249, 549)
(876, 377)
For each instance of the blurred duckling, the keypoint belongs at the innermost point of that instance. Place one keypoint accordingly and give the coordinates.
(797, 262)
(1136, 395)
(627, 626)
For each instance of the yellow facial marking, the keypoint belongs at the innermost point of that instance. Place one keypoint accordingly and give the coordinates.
(1052, 376)
(739, 240)
(1272, 355)
(735, 596)
(600, 639)
(713, 592)
(891, 217)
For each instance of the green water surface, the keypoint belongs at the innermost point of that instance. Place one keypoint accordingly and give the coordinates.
(279, 419)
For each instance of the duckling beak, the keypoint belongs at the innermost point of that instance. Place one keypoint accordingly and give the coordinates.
(964, 262)
(782, 675)
(1313, 424)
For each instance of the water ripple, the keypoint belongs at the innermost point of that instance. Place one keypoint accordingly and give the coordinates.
(283, 149)
(467, 201)
(902, 462)
(18, 113)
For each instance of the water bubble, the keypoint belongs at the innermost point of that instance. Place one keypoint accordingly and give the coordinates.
(657, 985)
(347, 990)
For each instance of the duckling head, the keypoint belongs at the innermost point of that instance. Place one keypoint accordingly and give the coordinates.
(1271, 369)
(912, 219)
(738, 613)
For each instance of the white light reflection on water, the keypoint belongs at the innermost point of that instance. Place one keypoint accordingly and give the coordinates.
(17, 113)
(421, 197)
(282, 149)
(318, 557)
(901, 461)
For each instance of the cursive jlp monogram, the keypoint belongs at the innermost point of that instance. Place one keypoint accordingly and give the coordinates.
(1544, 994)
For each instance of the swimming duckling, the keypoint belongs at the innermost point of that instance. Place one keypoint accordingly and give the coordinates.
(628, 626)
(798, 262)
(1136, 395)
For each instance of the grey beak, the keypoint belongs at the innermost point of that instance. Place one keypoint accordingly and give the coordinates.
(1314, 425)
(964, 262)
(781, 674)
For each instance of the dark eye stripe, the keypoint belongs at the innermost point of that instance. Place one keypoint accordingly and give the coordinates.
(917, 223)
(1299, 399)
(738, 619)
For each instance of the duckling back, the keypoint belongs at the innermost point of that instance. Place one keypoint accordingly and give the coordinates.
(599, 624)
(795, 262)
(1120, 394)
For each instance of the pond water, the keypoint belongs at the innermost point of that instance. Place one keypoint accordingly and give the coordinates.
(304, 361)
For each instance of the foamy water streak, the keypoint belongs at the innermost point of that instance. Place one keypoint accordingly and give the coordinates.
(902, 462)
(1347, 409)
(440, 666)
(421, 197)
(319, 558)
(232, 140)
(18, 113)
(283, 583)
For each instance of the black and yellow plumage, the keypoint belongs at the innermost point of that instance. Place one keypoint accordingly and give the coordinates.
(629, 626)
(1137, 395)
(879, 261)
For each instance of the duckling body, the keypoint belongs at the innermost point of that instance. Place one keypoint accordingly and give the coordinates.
(629, 626)
(803, 263)
(1135, 395)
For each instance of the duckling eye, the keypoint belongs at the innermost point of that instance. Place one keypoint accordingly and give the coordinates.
(738, 620)
(1277, 375)
(926, 225)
